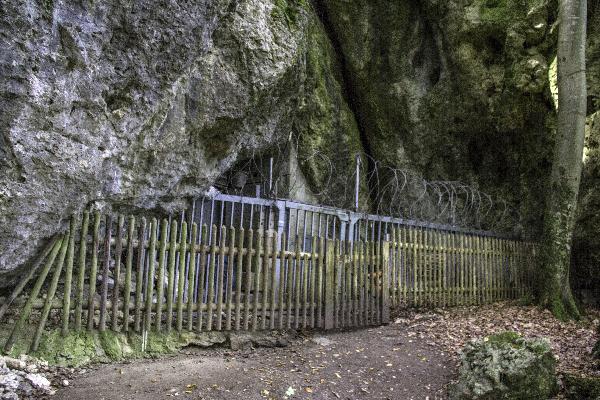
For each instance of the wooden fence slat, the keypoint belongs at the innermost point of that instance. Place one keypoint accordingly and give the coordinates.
(128, 269)
(348, 283)
(140, 275)
(282, 269)
(273, 279)
(210, 300)
(353, 303)
(368, 283)
(238, 280)
(289, 289)
(330, 282)
(192, 287)
(93, 271)
(248, 279)
(320, 274)
(266, 260)
(313, 280)
(81, 269)
(68, 278)
(181, 275)
(385, 293)
(51, 292)
(220, 278)
(202, 276)
(171, 275)
(230, 277)
(160, 287)
(26, 310)
(149, 290)
(106, 267)
(297, 283)
(258, 259)
(117, 273)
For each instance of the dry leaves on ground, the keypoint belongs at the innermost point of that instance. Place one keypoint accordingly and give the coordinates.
(450, 329)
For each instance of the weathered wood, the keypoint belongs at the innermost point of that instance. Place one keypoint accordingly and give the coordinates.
(265, 278)
(210, 301)
(117, 274)
(282, 276)
(192, 278)
(238, 280)
(258, 259)
(106, 267)
(51, 292)
(93, 271)
(331, 249)
(355, 287)
(68, 278)
(385, 291)
(181, 275)
(320, 274)
(273, 277)
(81, 269)
(202, 276)
(348, 284)
(305, 290)
(289, 289)
(160, 287)
(128, 269)
(297, 283)
(26, 311)
(362, 283)
(220, 278)
(139, 275)
(229, 291)
(171, 275)
(31, 272)
(248, 279)
(149, 290)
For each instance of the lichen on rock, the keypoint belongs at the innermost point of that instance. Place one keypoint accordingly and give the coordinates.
(506, 366)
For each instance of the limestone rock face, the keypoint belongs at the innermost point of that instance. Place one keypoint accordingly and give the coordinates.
(454, 89)
(506, 366)
(134, 104)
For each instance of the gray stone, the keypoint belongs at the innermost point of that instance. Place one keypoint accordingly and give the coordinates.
(132, 105)
(506, 366)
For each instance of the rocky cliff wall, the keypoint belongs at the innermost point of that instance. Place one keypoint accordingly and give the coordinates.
(136, 104)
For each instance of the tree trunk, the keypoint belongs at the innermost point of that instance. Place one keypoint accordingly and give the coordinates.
(554, 291)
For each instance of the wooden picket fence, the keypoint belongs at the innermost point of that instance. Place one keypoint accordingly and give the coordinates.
(134, 275)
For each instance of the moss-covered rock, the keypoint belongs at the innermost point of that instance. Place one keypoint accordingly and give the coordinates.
(581, 387)
(506, 366)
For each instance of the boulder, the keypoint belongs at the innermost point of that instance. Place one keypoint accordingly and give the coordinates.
(506, 366)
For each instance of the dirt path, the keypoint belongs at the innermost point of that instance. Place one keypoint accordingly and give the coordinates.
(381, 363)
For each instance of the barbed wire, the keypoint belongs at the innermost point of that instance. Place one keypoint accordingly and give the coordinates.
(287, 170)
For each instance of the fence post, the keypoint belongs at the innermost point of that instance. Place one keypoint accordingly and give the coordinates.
(385, 282)
(329, 284)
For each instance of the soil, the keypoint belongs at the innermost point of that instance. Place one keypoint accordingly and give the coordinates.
(415, 357)
(381, 363)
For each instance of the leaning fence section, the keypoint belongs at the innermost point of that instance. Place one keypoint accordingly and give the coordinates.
(132, 274)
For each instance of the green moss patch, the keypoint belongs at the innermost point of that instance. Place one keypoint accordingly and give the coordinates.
(581, 387)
